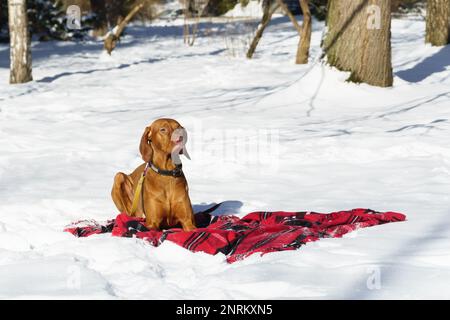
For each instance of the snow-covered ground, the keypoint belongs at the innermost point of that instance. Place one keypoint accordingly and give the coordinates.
(322, 144)
(252, 9)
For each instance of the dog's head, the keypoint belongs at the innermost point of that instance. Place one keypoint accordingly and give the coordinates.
(164, 136)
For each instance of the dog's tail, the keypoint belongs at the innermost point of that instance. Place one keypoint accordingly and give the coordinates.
(209, 210)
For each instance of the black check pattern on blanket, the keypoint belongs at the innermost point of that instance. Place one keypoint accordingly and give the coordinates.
(238, 238)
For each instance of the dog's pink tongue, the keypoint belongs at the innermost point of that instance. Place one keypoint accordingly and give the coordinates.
(180, 149)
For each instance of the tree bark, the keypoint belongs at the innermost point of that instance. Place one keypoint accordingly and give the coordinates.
(305, 37)
(438, 19)
(98, 7)
(269, 10)
(358, 40)
(114, 35)
(20, 42)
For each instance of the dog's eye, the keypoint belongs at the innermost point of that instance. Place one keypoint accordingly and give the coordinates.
(163, 130)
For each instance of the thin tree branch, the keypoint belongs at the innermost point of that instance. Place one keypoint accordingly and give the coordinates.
(288, 12)
(268, 12)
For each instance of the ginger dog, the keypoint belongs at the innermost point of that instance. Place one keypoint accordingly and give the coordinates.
(164, 198)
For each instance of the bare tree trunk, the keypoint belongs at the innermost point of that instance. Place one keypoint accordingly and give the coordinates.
(187, 34)
(291, 17)
(20, 42)
(438, 22)
(187, 15)
(114, 35)
(359, 40)
(305, 37)
(100, 24)
(269, 10)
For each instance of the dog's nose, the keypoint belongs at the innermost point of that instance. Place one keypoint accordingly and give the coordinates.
(180, 139)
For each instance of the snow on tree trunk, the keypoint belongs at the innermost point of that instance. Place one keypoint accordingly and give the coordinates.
(114, 35)
(438, 19)
(358, 40)
(20, 43)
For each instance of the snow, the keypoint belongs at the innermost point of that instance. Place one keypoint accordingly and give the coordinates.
(252, 9)
(306, 140)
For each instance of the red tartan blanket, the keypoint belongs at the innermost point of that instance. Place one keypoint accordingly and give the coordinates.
(238, 238)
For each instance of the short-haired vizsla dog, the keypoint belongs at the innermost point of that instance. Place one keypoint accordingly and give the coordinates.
(164, 199)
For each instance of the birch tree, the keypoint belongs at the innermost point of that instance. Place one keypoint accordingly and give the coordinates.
(20, 42)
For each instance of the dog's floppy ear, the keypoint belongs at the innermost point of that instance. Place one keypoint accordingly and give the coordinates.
(145, 147)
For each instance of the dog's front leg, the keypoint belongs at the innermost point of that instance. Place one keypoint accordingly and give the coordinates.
(185, 215)
(155, 212)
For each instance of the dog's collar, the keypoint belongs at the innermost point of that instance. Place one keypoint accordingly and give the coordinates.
(177, 172)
